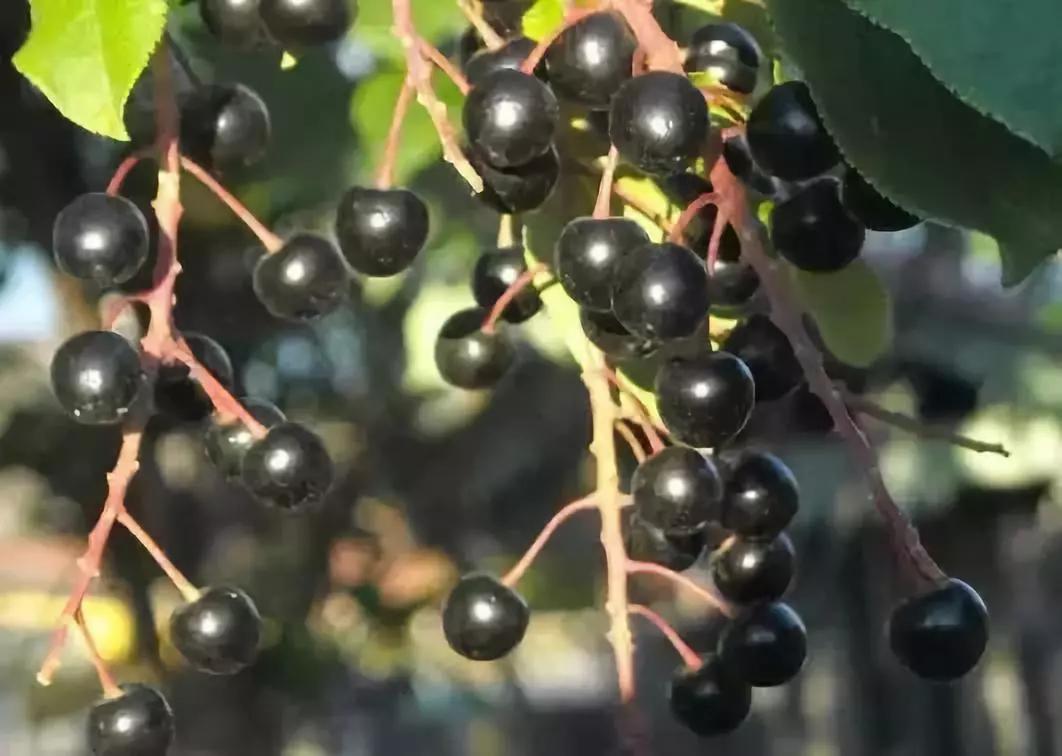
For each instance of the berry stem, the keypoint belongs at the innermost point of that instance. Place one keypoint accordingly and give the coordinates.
(188, 591)
(385, 175)
(429, 51)
(129, 162)
(634, 408)
(604, 189)
(661, 52)
(107, 682)
(690, 657)
(269, 240)
(635, 567)
(512, 577)
(506, 231)
(226, 405)
(491, 38)
(678, 230)
(522, 282)
(533, 58)
(632, 441)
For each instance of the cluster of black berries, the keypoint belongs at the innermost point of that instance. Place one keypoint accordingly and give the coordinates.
(293, 24)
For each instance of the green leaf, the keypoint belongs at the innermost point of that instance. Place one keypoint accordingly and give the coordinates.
(85, 56)
(914, 140)
(852, 310)
(1002, 58)
(436, 20)
(714, 7)
(543, 18)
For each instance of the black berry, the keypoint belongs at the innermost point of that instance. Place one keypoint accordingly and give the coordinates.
(227, 443)
(659, 122)
(942, 634)
(182, 398)
(234, 22)
(586, 254)
(761, 495)
(766, 646)
(511, 55)
(468, 357)
(660, 291)
(494, 273)
(518, 189)
(304, 23)
(678, 490)
(767, 354)
(739, 161)
(728, 52)
(705, 400)
(732, 282)
(814, 232)
(96, 377)
(510, 117)
(609, 335)
(648, 543)
(100, 238)
(709, 700)
(746, 571)
(304, 279)
(218, 633)
(381, 231)
(484, 620)
(786, 135)
(139, 722)
(225, 126)
(288, 468)
(590, 59)
(870, 207)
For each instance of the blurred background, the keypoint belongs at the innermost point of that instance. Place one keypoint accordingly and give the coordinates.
(435, 481)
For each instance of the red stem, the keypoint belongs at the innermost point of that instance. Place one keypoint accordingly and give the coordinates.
(512, 577)
(522, 282)
(385, 176)
(678, 230)
(188, 591)
(690, 657)
(107, 682)
(129, 162)
(269, 240)
(634, 568)
(429, 51)
(535, 56)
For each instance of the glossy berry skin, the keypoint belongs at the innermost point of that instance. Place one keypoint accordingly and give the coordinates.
(234, 22)
(520, 189)
(483, 619)
(381, 231)
(942, 634)
(590, 60)
(870, 207)
(748, 571)
(586, 254)
(510, 55)
(766, 646)
(100, 238)
(494, 273)
(761, 495)
(660, 291)
(728, 51)
(510, 117)
(137, 723)
(609, 335)
(786, 134)
(288, 468)
(180, 397)
(96, 377)
(705, 400)
(678, 490)
(767, 354)
(225, 126)
(226, 444)
(659, 122)
(305, 23)
(710, 700)
(648, 543)
(814, 232)
(304, 279)
(732, 283)
(218, 633)
(739, 161)
(466, 356)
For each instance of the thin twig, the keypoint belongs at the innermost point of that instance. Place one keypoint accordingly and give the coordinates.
(916, 427)
(678, 230)
(385, 175)
(635, 568)
(269, 240)
(522, 282)
(632, 441)
(690, 657)
(107, 682)
(129, 162)
(490, 38)
(187, 590)
(512, 577)
(431, 52)
(604, 188)
(542, 46)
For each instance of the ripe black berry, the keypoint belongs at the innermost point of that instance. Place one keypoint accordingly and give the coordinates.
(659, 122)
(137, 723)
(660, 291)
(234, 22)
(218, 633)
(732, 282)
(728, 52)
(96, 377)
(761, 495)
(510, 117)
(786, 135)
(225, 126)
(648, 543)
(586, 254)
(180, 397)
(100, 238)
(870, 207)
(466, 356)
(519, 189)
(609, 335)
(678, 490)
(942, 634)
(705, 400)
(767, 354)
(590, 59)
(484, 620)
(746, 571)
(227, 443)
(496, 271)
(304, 279)
(381, 231)
(739, 161)
(505, 16)
(766, 646)
(510, 55)
(288, 468)
(709, 700)
(304, 23)
(814, 232)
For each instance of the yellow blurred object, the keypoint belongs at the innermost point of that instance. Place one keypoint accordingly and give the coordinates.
(288, 61)
(110, 620)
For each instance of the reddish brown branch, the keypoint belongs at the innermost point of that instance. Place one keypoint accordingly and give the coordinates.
(269, 240)
(512, 577)
(634, 568)
(129, 162)
(107, 682)
(522, 282)
(188, 591)
(429, 51)
(385, 176)
(690, 657)
(678, 230)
